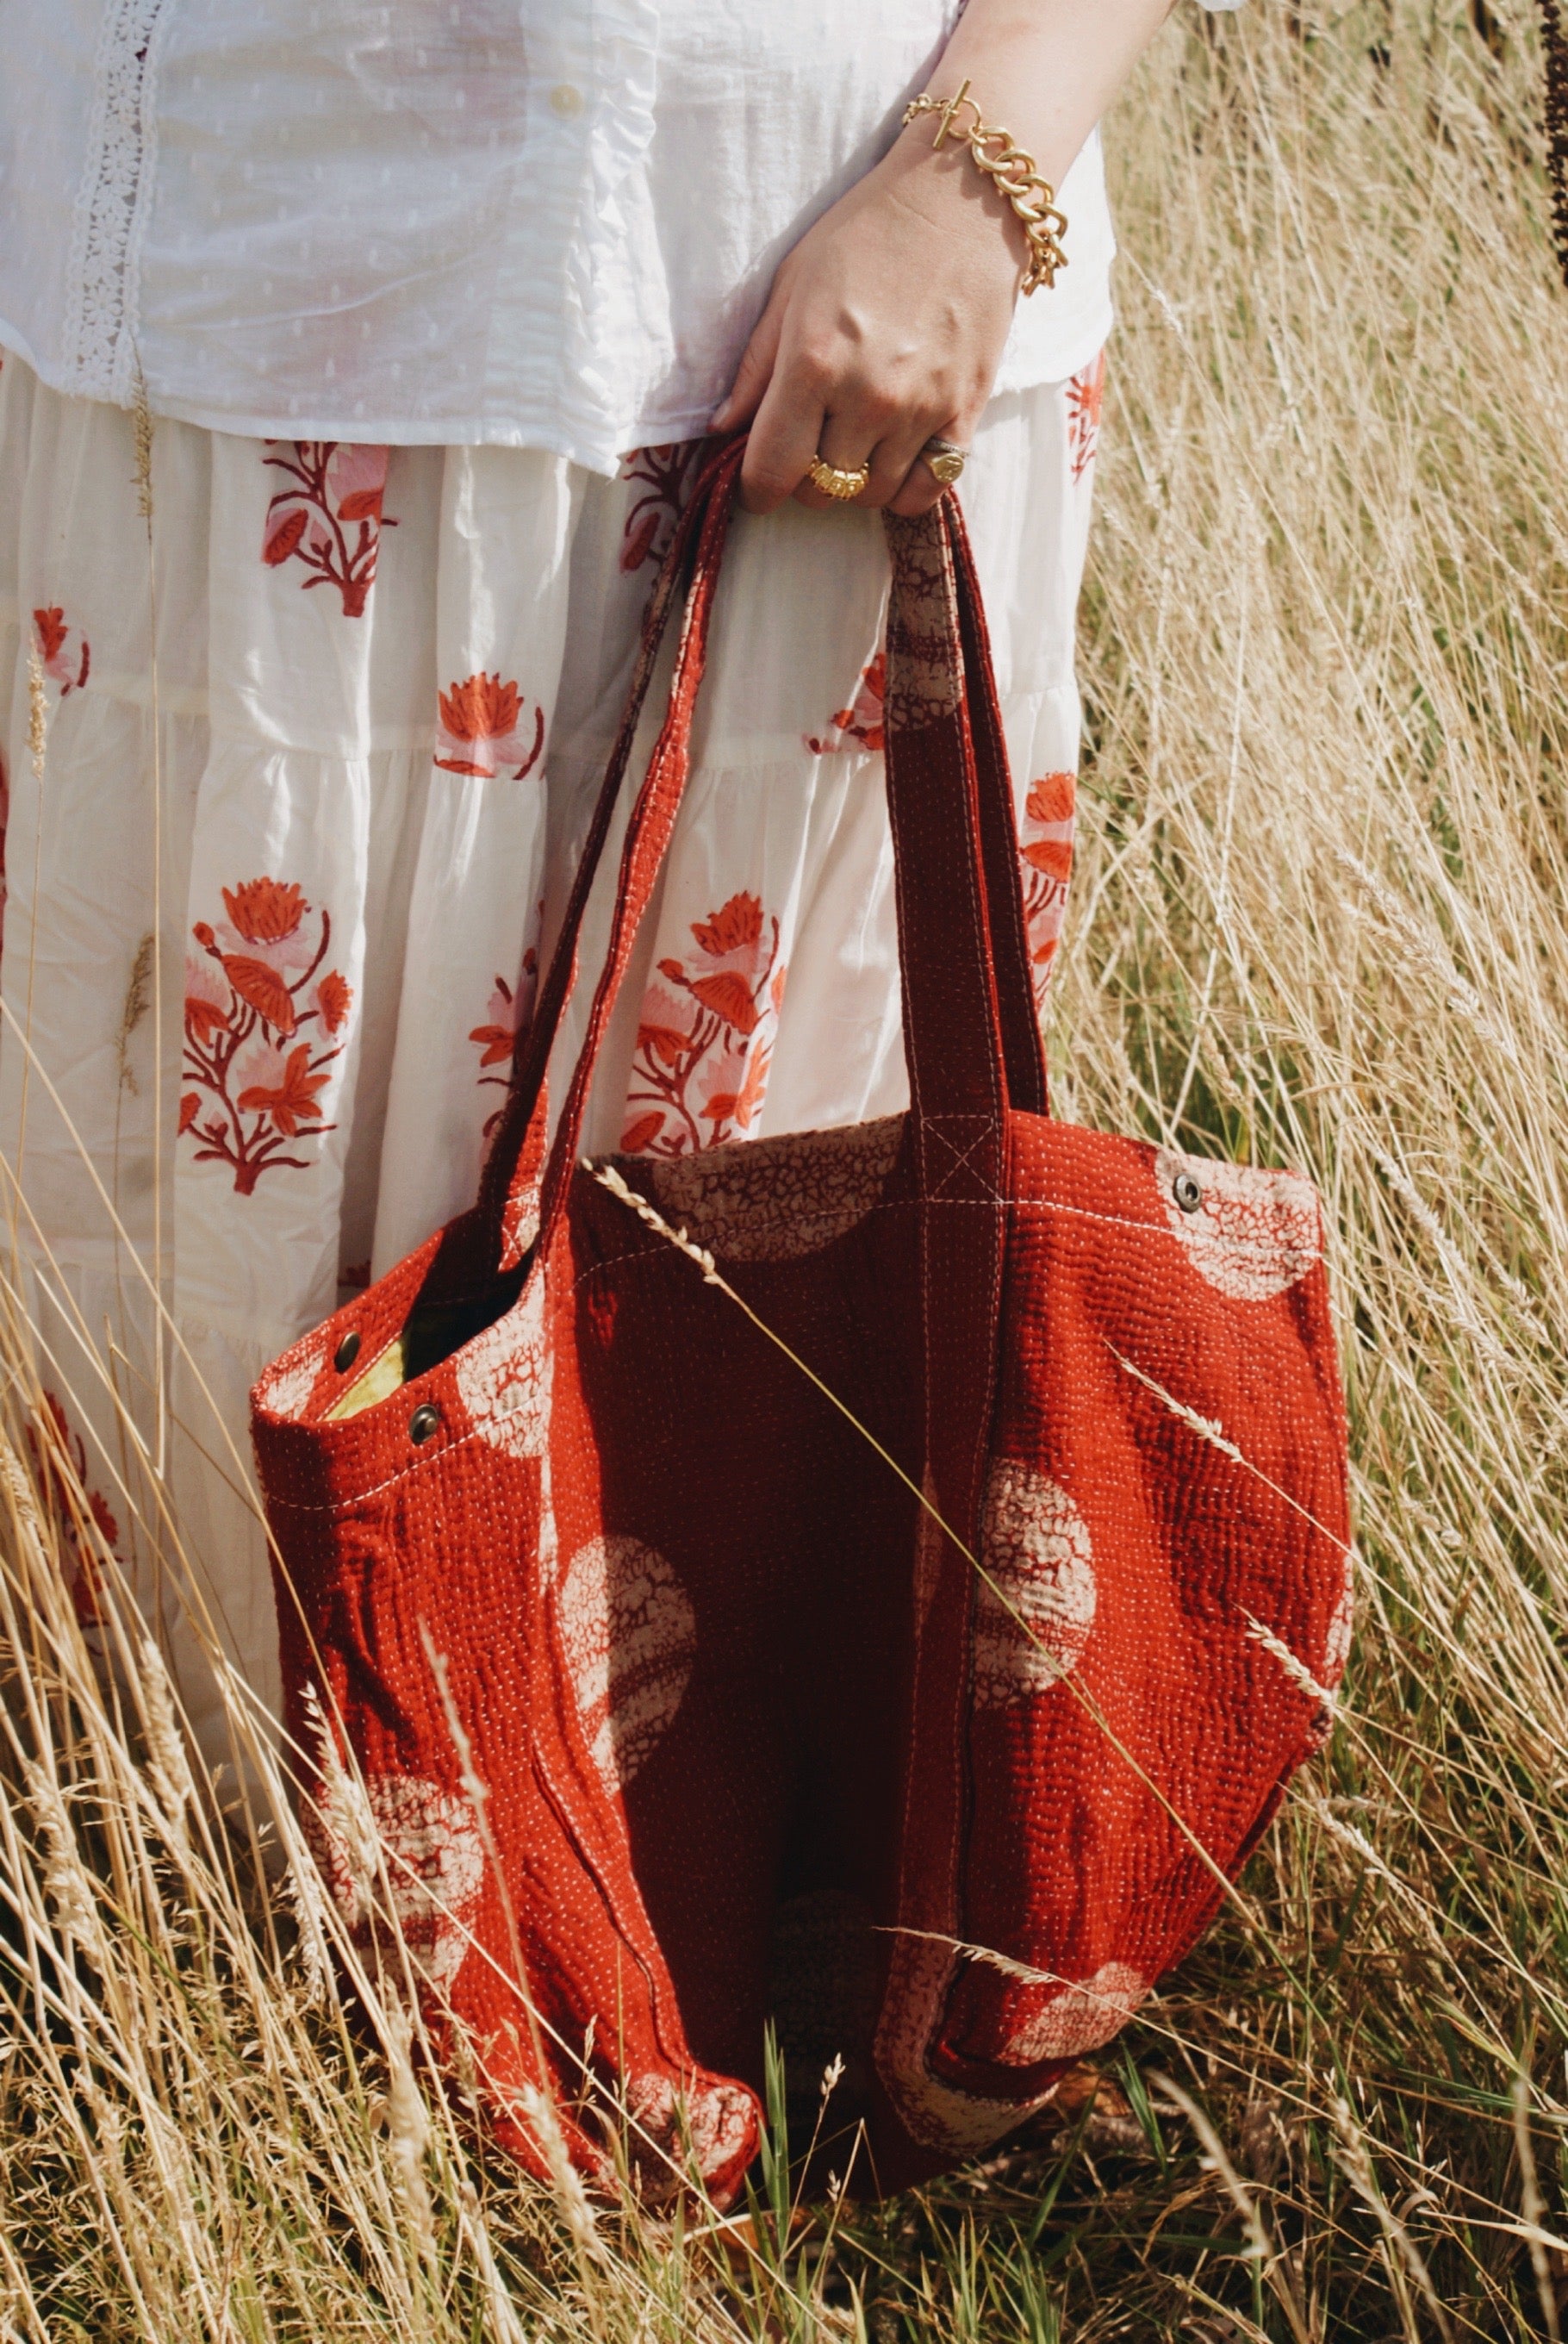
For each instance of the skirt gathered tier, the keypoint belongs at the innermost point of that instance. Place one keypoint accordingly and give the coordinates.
(295, 779)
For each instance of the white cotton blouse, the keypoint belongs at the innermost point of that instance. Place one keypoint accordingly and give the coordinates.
(535, 223)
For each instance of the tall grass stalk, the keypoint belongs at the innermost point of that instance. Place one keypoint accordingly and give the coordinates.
(1319, 920)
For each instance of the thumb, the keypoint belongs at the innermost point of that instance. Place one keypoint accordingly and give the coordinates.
(753, 374)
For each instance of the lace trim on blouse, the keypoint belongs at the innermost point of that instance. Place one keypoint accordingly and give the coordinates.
(112, 204)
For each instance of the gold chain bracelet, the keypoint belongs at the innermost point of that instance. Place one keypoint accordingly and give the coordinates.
(1033, 200)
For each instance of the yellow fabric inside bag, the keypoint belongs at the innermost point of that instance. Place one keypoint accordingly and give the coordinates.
(434, 1330)
(381, 1380)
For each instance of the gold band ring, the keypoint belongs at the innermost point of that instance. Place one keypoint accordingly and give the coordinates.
(944, 459)
(836, 482)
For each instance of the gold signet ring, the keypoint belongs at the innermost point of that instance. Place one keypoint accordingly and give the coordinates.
(944, 459)
(835, 482)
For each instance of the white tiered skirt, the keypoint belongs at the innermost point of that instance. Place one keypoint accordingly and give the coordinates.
(293, 806)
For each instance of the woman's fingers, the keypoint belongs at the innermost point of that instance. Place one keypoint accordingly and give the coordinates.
(790, 424)
(917, 492)
(793, 426)
(919, 488)
(899, 477)
(754, 373)
(847, 440)
(886, 439)
(805, 414)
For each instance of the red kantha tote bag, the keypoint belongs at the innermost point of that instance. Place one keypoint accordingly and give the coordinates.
(957, 1561)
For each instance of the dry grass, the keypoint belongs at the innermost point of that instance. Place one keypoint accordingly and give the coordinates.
(1320, 919)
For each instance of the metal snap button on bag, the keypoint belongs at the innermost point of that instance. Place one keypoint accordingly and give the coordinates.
(1012, 1694)
(424, 1422)
(348, 1351)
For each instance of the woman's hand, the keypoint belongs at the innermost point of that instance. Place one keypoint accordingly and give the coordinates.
(886, 325)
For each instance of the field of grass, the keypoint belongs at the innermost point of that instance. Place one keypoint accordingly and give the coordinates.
(1320, 918)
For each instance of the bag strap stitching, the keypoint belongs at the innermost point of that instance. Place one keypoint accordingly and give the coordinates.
(960, 1162)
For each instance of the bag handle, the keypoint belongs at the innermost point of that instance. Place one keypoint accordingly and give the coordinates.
(1028, 1087)
(972, 1037)
(694, 550)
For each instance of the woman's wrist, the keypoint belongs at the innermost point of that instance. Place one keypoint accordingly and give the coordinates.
(943, 187)
(1008, 169)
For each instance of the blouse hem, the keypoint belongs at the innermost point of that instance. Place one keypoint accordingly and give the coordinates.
(594, 455)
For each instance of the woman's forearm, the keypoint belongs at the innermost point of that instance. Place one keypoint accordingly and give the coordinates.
(1044, 70)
